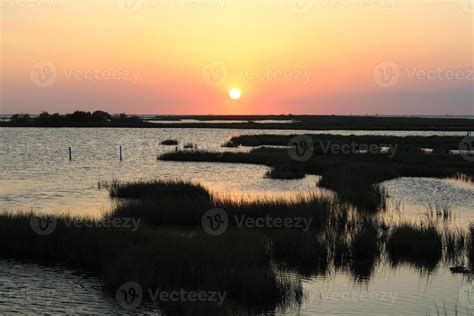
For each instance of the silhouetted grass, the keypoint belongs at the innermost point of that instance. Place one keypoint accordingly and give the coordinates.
(160, 204)
(300, 250)
(171, 251)
(170, 142)
(158, 190)
(354, 177)
(406, 144)
(167, 259)
(454, 241)
(470, 247)
(304, 252)
(286, 173)
(421, 246)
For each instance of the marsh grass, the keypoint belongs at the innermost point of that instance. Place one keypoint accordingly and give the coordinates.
(470, 247)
(170, 250)
(454, 241)
(418, 245)
(301, 250)
(439, 213)
(157, 190)
(286, 173)
(166, 259)
(354, 177)
(170, 142)
(306, 253)
(161, 204)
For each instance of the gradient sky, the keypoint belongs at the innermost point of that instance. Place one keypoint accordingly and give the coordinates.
(287, 56)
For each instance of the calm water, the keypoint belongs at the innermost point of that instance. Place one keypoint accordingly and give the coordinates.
(36, 174)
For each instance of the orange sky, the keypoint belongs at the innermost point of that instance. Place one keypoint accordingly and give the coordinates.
(287, 56)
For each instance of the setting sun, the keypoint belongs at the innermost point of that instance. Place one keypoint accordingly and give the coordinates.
(235, 93)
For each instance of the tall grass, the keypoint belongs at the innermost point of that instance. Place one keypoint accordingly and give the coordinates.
(157, 190)
(166, 259)
(170, 250)
(421, 246)
(470, 247)
(354, 177)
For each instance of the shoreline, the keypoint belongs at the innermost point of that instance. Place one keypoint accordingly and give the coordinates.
(247, 126)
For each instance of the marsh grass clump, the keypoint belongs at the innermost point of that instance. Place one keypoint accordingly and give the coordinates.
(470, 247)
(439, 213)
(162, 204)
(304, 252)
(421, 246)
(170, 250)
(357, 247)
(356, 176)
(301, 247)
(170, 142)
(356, 184)
(236, 263)
(286, 173)
(454, 241)
(157, 190)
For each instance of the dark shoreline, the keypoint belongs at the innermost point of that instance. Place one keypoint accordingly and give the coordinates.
(302, 122)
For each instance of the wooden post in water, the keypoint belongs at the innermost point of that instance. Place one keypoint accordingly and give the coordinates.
(121, 153)
(70, 154)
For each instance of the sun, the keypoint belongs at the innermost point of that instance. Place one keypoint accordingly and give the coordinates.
(235, 93)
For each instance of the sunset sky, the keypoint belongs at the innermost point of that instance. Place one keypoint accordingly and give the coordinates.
(286, 56)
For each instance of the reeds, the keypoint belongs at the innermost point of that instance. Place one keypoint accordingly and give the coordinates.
(419, 245)
(167, 259)
(354, 177)
(171, 250)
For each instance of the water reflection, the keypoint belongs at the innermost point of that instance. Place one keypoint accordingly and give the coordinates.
(352, 258)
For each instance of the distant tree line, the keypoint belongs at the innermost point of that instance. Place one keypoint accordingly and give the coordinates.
(75, 117)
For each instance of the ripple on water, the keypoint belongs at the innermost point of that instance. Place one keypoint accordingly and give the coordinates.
(28, 288)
